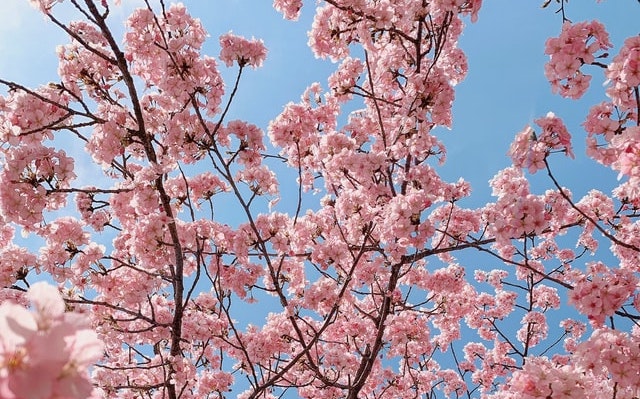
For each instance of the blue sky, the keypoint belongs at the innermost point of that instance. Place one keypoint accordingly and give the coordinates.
(505, 88)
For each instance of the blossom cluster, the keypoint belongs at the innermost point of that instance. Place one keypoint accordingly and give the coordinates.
(45, 353)
(542, 378)
(604, 292)
(614, 135)
(236, 48)
(290, 9)
(624, 74)
(577, 45)
(614, 354)
(28, 173)
(529, 149)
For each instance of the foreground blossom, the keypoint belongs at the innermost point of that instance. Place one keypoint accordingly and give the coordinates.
(45, 353)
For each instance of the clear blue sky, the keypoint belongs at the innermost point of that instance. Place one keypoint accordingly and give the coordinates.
(505, 88)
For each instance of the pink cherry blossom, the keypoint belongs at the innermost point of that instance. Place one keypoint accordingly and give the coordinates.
(576, 46)
(290, 9)
(530, 149)
(45, 353)
(624, 74)
(237, 49)
(606, 291)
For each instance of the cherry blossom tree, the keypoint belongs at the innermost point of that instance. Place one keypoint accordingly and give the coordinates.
(358, 289)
